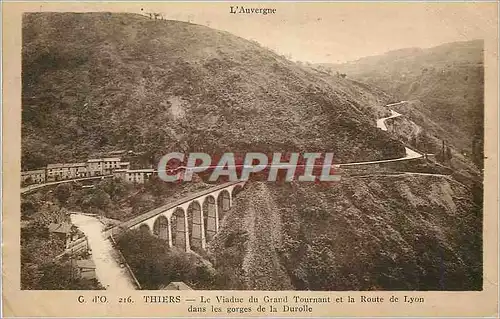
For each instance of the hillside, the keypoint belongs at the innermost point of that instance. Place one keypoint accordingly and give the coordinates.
(446, 82)
(93, 83)
(123, 81)
(382, 233)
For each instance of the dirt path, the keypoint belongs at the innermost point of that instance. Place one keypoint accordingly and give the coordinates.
(381, 121)
(108, 270)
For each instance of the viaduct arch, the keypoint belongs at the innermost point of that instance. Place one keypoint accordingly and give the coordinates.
(189, 223)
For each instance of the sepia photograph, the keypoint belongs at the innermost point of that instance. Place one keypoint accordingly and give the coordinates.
(340, 149)
(106, 94)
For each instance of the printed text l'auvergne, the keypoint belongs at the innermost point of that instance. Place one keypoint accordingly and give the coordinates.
(243, 10)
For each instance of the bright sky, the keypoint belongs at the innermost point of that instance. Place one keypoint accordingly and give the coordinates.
(339, 32)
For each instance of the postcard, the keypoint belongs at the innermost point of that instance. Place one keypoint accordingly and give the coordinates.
(250, 159)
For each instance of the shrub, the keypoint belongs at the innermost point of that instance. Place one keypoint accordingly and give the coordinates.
(156, 265)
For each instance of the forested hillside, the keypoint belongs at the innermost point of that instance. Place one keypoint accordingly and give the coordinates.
(123, 81)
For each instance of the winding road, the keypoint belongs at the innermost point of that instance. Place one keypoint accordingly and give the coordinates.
(399, 174)
(36, 186)
(381, 122)
(397, 103)
(108, 270)
(410, 154)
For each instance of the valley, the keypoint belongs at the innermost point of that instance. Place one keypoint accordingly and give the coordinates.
(406, 213)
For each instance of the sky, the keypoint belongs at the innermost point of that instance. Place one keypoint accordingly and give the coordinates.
(330, 32)
(340, 32)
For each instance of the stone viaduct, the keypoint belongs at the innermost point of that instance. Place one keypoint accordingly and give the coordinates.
(190, 222)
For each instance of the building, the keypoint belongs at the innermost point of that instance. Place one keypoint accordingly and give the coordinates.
(139, 176)
(90, 168)
(57, 172)
(176, 285)
(95, 167)
(33, 177)
(104, 166)
(109, 164)
(60, 171)
(121, 174)
(124, 165)
(62, 230)
(117, 153)
(78, 170)
(86, 268)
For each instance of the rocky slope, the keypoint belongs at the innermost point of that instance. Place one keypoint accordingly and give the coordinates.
(378, 233)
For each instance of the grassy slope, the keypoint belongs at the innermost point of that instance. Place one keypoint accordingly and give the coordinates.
(97, 82)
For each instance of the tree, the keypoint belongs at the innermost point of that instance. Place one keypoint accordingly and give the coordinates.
(57, 276)
(28, 181)
(35, 229)
(99, 199)
(414, 141)
(114, 187)
(28, 208)
(63, 192)
(167, 266)
(442, 151)
(448, 154)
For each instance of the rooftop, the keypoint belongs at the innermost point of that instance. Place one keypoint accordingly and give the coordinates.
(64, 228)
(117, 152)
(36, 171)
(76, 164)
(105, 159)
(85, 263)
(176, 285)
(60, 165)
(142, 170)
